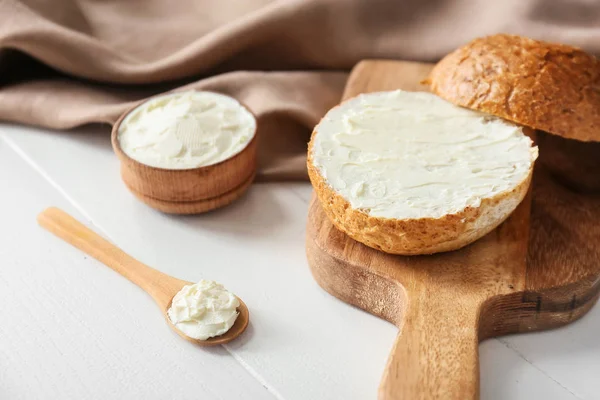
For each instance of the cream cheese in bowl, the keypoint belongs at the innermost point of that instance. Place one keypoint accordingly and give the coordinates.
(186, 130)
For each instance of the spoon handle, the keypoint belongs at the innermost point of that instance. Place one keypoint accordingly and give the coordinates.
(72, 231)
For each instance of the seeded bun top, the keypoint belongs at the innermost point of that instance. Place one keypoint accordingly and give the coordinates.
(546, 86)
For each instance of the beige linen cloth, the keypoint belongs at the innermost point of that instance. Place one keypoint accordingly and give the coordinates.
(65, 63)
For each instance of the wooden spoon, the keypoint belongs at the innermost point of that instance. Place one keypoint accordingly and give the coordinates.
(160, 286)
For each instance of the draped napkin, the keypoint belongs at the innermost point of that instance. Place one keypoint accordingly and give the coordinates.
(65, 63)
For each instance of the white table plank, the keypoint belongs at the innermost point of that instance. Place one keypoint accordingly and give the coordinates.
(301, 343)
(505, 375)
(73, 329)
(570, 354)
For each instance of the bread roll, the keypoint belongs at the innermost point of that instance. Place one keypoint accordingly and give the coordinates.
(409, 173)
(550, 87)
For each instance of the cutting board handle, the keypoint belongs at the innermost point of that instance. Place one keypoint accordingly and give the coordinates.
(436, 353)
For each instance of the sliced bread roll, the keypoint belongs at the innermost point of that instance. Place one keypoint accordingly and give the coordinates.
(546, 86)
(409, 173)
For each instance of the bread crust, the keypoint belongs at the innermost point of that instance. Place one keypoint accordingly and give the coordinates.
(418, 235)
(550, 87)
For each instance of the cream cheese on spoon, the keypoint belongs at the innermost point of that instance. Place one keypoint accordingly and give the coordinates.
(203, 310)
(186, 130)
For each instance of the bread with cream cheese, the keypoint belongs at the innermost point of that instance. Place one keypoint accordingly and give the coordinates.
(409, 173)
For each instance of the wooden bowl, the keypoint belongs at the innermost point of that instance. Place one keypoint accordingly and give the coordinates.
(187, 191)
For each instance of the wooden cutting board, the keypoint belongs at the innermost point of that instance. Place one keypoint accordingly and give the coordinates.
(540, 269)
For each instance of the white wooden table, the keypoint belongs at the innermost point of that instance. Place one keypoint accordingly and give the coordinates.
(73, 329)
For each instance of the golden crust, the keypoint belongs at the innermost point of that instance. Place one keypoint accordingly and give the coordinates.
(550, 87)
(415, 236)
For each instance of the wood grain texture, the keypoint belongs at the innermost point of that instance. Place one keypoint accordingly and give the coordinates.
(575, 164)
(187, 191)
(540, 269)
(160, 286)
(193, 207)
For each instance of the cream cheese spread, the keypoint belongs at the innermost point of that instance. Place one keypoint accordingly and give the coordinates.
(409, 155)
(186, 130)
(203, 310)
